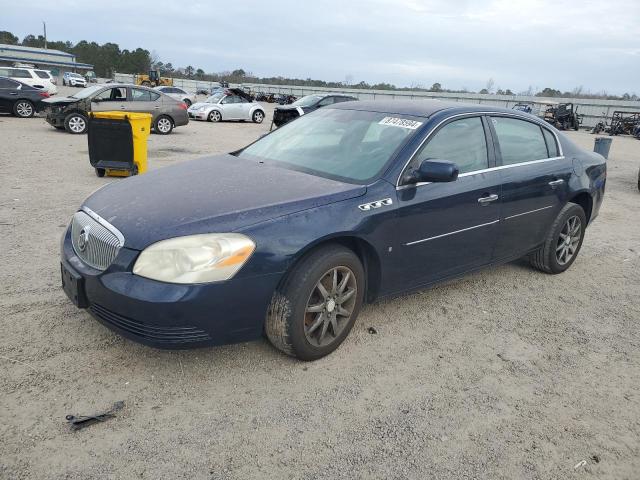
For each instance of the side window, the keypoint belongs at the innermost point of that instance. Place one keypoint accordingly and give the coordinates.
(180, 91)
(139, 95)
(326, 101)
(520, 141)
(552, 146)
(462, 142)
(118, 94)
(20, 73)
(6, 83)
(42, 74)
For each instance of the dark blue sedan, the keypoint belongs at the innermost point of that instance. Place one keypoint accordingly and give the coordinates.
(356, 201)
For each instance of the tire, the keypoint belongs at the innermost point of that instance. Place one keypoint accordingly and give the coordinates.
(100, 172)
(187, 102)
(24, 109)
(76, 123)
(549, 258)
(214, 116)
(301, 319)
(163, 125)
(64, 83)
(258, 116)
(638, 180)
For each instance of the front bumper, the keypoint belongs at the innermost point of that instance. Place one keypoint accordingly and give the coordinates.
(171, 316)
(54, 118)
(198, 115)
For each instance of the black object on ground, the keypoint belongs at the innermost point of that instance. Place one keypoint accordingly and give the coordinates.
(78, 422)
(372, 331)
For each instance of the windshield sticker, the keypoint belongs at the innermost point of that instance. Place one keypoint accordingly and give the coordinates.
(400, 122)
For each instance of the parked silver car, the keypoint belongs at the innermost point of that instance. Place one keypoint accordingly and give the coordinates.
(71, 113)
(178, 94)
(230, 104)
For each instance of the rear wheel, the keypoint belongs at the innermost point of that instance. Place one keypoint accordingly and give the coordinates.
(100, 172)
(76, 123)
(563, 241)
(258, 116)
(214, 116)
(313, 311)
(23, 109)
(163, 125)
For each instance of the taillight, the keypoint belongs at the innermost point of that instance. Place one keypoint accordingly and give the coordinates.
(183, 106)
(44, 94)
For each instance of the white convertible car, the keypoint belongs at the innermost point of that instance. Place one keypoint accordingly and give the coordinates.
(230, 104)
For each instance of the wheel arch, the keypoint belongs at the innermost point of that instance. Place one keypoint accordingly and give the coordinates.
(585, 200)
(364, 250)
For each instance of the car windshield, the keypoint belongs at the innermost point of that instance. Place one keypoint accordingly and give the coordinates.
(87, 92)
(347, 145)
(75, 75)
(215, 98)
(307, 101)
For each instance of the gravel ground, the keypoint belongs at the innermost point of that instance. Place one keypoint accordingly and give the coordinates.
(507, 373)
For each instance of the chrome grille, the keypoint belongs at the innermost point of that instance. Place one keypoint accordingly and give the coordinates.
(96, 242)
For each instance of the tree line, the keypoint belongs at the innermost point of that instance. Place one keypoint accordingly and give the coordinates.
(108, 58)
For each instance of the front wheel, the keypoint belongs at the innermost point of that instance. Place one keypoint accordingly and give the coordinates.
(314, 309)
(163, 125)
(258, 116)
(23, 109)
(76, 123)
(214, 116)
(563, 241)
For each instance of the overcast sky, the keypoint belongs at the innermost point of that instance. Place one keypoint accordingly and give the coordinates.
(459, 43)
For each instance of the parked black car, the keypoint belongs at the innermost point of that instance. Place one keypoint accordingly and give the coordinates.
(358, 201)
(19, 98)
(286, 113)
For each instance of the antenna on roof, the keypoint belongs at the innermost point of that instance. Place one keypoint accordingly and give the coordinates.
(44, 24)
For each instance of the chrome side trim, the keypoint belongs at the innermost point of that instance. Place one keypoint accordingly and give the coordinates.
(377, 204)
(451, 233)
(485, 170)
(471, 114)
(105, 224)
(527, 213)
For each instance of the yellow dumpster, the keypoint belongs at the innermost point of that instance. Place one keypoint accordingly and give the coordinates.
(118, 142)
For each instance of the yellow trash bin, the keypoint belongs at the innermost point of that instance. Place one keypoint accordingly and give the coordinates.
(118, 142)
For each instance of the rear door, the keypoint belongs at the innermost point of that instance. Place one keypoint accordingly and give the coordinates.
(8, 94)
(144, 101)
(445, 229)
(535, 183)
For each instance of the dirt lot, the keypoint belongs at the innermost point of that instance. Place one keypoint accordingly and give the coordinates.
(508, 373)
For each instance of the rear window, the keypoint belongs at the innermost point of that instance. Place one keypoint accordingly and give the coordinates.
(520, 141)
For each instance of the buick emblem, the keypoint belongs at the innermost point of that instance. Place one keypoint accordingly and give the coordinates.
(83, 239)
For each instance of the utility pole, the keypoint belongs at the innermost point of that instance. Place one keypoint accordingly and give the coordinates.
(44, 24)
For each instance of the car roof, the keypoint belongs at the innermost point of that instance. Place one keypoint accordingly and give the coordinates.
(417, 108)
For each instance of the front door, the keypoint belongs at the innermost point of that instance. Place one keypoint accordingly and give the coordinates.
(109, 100)
(444, 229)
(535, 183)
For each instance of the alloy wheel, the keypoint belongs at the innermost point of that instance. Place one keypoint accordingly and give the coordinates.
(24, 109)
(258, 117)
(215, 116)
(330, 306)
(164, 125)
(77, 124)
(568, 240)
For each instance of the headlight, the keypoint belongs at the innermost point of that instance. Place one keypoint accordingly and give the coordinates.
(195, 259)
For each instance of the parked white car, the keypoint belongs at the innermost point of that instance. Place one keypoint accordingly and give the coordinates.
(230, 104)
(35, 77)
(179, 94)
(74, 79)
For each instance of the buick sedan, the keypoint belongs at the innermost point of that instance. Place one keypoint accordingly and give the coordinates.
(357, 201)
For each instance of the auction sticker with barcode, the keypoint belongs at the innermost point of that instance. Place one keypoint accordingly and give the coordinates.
(400, 122)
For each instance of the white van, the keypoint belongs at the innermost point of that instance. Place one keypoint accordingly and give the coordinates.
(31, 76)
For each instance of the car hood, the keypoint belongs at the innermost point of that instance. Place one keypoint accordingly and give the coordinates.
(58, 100)
(201, 104)
(223, 193)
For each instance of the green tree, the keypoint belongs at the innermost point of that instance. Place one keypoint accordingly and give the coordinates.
(8, 38)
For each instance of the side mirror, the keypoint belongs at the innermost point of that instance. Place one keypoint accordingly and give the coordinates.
(432, 170)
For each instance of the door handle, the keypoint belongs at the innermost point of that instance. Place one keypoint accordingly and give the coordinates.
(556, 183)
(488, 199)
(13, 93)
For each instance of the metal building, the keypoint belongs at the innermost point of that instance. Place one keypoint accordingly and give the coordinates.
(46, 59)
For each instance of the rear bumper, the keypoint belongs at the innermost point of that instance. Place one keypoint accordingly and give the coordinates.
(172, 316)
(180, 118)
